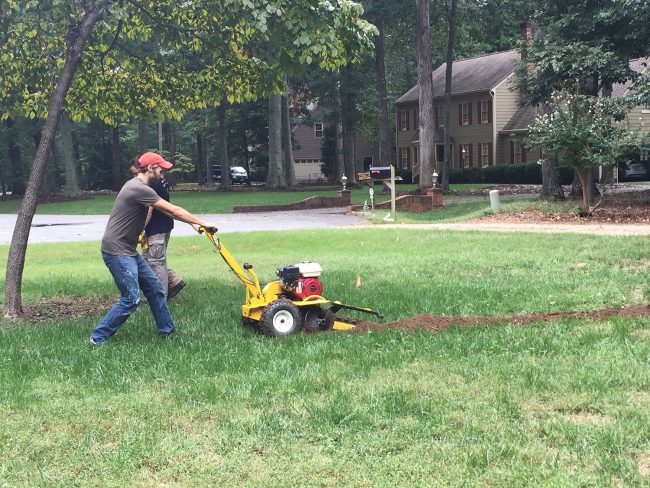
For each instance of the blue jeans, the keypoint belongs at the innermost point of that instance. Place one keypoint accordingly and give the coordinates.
(132, 273)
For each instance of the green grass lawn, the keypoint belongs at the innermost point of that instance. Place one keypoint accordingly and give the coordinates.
(562, 404)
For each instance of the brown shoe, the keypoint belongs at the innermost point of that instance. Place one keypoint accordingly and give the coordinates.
(173, 291)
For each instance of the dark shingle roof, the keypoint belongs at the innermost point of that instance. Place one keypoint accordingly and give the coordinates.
(638, 65)
(481, 73)
(521, 119)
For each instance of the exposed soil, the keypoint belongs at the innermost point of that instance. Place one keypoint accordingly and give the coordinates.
(68, 308)
(437, 323)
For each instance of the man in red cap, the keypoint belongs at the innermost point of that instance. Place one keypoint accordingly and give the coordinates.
(131, 271)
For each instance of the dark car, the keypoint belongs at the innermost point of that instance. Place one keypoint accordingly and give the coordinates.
(638, 170)
(237, 174)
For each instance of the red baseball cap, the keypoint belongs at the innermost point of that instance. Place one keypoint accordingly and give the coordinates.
(151, 158)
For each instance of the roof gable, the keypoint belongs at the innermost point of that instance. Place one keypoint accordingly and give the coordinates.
(481, 73)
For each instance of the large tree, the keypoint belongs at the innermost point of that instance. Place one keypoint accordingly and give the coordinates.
(137, 62)
(425, 98)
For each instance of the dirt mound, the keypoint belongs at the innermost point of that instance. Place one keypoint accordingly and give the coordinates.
(437, 323)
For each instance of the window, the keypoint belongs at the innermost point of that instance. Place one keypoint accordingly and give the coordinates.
(485, 154)
(466, 110)
(517, 153)
(485, 112)
(465, 155)
(645, 154)
(441, 116)
(406, 153)
(318, 130)
(404, 120)
(645, 108)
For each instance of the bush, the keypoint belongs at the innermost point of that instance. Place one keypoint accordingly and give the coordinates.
(406, 174)
(519, 174)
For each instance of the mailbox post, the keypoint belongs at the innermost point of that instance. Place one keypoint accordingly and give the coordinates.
(386, 174)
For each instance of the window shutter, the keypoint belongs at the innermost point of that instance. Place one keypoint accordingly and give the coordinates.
(523, 154)
(469, 113)
(435, 119)
(460, 156)
(399, 118)
(490, 150)
(408, 157)
(479, 119)
(469, 159)
(408, 119)
(479, 157)
(416, 118)
(512, 152)
(460, 114)
(490, 111)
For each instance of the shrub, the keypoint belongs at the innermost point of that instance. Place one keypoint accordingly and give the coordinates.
(519, 174)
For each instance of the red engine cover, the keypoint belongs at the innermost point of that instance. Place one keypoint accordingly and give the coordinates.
(307, 286)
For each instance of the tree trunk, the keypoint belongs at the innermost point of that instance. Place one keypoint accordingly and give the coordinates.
(451, 41)
(199, 157)
(223, 147)
(287, 149)
(551, 187)
(208, 167)
(347, 120)
(67, 150)
(247, 157)
(172, 139)
(17, 178)
(160, 136)
(76, 40)
(425, 98)
(275, 175)
(340, 163)
(586, 181)
(576, 186)
(116, 158)
(384, 125)
(142, 136)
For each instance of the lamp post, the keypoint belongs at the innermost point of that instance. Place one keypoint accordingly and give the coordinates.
(344, 182)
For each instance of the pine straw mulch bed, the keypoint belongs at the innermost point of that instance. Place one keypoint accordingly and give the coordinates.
(616, 208)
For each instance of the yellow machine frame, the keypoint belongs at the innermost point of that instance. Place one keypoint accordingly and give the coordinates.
(257, 298)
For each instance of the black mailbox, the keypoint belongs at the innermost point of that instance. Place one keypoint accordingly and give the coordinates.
(380, 173)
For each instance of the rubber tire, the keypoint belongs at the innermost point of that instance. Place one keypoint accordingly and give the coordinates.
(277, 313)
(316, 319)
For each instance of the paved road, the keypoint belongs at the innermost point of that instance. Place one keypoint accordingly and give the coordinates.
(66, 228)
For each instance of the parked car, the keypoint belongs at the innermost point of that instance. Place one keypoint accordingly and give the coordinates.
(638, 170)
(237, 174)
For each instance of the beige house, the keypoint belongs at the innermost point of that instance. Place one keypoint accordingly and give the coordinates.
(308, 136)
(486, 122)
(639, 117)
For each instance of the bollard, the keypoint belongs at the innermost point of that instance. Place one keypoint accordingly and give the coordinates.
(494, 201)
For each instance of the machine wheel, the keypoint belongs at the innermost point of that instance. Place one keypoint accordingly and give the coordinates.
(280, 318)
(316, 319)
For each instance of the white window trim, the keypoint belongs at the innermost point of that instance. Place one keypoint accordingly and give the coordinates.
(485, 103)
(403, 119)
(316, 130)
(465, 114)
(518, 158)
(485, 155)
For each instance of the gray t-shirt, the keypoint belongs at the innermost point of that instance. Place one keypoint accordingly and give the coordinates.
(127, 218)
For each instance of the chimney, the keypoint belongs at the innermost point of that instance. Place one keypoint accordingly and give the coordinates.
(526, 29)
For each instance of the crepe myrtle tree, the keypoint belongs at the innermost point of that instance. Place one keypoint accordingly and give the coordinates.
(584, 132)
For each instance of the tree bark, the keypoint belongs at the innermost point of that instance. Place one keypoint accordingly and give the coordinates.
(347, 120)
(275, 175)
(17, 178)
(116, 158)
(160, 136)
(76, 39)
(223, 147)
(71, 186)
(551, 186)
(172, 139)
(340, 162)
(142, 136)
(451, 41)
(287, 149)
(208, 167)
(384, 125)
(586, 181)
(425, 98)
(199, 156)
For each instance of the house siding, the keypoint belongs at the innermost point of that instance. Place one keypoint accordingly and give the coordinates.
(506, 103)
(307, 146)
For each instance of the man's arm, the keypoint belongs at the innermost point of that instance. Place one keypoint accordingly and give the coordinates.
(179, 213)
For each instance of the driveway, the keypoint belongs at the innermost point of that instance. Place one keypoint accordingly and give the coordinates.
(67, 228)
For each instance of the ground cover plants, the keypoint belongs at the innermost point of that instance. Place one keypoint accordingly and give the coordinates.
(547, 404)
